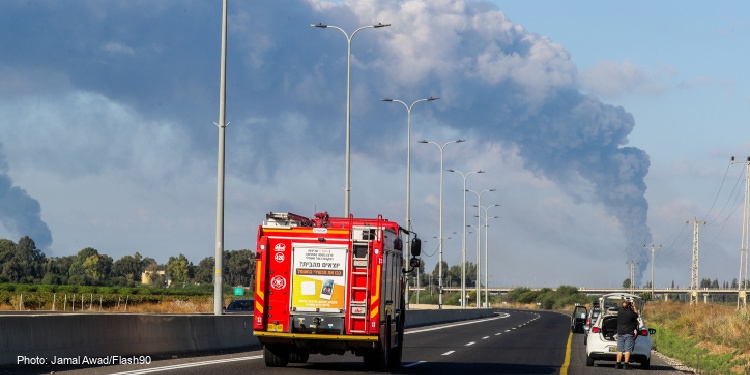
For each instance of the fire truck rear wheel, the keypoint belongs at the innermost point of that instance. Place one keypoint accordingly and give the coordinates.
(379, 359)
(276, 355)
(298, 356)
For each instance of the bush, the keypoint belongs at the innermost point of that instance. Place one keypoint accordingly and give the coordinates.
(7, 287)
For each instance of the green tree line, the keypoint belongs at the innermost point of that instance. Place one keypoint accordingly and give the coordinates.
(23, 263)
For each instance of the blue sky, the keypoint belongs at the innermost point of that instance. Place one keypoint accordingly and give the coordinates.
(603, 127)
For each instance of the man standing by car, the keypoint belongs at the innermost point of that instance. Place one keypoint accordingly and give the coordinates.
(627, 323)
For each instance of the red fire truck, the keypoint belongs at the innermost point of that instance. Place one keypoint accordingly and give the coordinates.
(330, 285)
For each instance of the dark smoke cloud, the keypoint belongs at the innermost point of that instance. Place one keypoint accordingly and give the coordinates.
(19, 212)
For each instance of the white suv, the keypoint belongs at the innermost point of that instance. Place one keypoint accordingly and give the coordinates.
(601, 340)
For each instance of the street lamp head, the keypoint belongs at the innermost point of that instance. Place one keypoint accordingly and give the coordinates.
(381, 25)
(432, 98)
(386, 100)
(422, 141)
(460, 140)
(491, 190)
(481, 171)
(450, 170)
(323, 26)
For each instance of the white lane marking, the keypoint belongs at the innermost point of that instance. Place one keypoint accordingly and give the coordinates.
(499, 333)
(507, 330)
(457, 324)
(185, 365)
(471, 343)
(485, 337)
(415, 363)
(449, 353)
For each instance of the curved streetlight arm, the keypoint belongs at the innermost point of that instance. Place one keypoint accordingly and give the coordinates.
(347, 181)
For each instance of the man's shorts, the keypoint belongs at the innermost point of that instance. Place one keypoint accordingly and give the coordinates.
(625, 343)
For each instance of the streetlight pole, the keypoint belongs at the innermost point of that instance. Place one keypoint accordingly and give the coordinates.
(408, 178)
(440, 238)
(347, 186)
(479, 242)
(219, 237)
(486, 255)
(653, 249)
(463, 239)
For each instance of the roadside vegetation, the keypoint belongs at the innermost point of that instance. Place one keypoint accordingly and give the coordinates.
(711, 338)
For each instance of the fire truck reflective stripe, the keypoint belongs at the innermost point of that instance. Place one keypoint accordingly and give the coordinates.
(258, 288)
(376, 295)
(317, 336)
(374, 307)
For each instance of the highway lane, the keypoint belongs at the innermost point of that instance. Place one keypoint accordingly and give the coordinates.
(512, 342)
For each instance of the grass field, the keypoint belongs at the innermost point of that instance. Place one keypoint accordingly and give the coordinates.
(711, 338)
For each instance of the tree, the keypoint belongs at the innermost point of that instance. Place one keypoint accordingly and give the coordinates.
(239, 267)
(13, 270)
(76, 268)
(130, 266)
(204, 272)
(97, 267)
(436, 271)
(626, 283)
(178, 269)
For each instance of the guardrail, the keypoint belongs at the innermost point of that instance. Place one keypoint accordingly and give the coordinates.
(43, 338)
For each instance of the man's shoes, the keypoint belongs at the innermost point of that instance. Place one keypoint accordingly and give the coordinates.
(626, 366)
(618, 365)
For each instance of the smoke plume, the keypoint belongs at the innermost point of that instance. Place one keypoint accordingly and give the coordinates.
(19, 212)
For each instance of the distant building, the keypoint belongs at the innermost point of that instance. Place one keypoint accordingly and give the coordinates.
(161, 274)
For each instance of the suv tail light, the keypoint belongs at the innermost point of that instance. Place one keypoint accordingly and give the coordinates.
(595, 330)
(588, 321)
(644, 332)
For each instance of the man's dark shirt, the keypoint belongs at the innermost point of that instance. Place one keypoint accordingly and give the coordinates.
(627, 321)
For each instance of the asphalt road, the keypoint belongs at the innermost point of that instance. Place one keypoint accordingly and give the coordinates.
(512, 342)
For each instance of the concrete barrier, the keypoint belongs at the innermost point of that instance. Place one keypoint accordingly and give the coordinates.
(45, 337)
(102, 335)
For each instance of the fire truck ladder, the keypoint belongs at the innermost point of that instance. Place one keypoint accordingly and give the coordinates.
(360, 276)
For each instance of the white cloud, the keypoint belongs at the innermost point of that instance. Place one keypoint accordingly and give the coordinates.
(612, 80)
(115, 48)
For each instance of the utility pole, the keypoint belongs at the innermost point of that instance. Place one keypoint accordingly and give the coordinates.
(742, 284)
(632, 275)
(694, 283)
(653, 249)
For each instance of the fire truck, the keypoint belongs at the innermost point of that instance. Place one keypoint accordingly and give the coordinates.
(328, 285)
